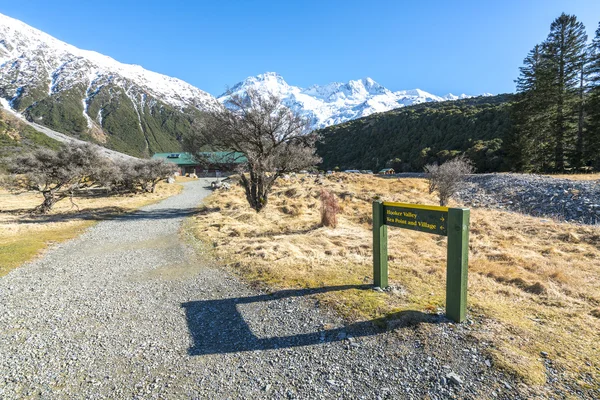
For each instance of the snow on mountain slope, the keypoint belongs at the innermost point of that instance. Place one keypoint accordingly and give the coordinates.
(43, 60)
(336, 102)
(94, 97)
(129, 109)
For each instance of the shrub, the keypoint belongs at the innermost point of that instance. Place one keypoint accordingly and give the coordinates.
(141, 175)
(446, 179)
(58, 174)
(329, 209)
(73, 168)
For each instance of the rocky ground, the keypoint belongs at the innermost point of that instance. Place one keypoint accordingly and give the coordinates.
(130, 310)
(537, 195)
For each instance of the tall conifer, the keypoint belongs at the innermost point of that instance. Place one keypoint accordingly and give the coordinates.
(564, 50)
(592, 139)
(529, 148)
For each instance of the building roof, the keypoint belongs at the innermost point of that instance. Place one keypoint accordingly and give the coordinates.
(213, 157)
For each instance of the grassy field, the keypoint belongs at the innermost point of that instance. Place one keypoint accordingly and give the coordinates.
(578, 177)
(23, 236)
(534, 284)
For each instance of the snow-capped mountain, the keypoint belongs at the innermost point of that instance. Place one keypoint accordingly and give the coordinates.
(336, 102)
(127, 108)
(85, 93)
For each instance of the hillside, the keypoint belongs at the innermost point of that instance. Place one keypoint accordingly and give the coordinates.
(127, 108)
(17, 136)
(410, 137)
(93, 97)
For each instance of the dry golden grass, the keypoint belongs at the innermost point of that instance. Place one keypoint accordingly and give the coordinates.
(21, 241)
(183, 179)
(578, 177)
(535, 284)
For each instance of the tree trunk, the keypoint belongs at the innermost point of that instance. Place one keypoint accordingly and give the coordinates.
(257, 189)
(49, 200)
(559, 149)
(578, 159)
(154, 183)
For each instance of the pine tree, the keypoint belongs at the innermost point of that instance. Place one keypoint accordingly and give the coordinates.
(577, 159)
(564, 50)
(592, 138)
(529, 146)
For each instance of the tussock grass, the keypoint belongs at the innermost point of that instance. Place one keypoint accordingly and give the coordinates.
(183, 179)
(578, 177)
(22, 237)
(534, 285)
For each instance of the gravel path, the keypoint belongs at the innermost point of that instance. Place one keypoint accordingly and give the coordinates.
(128, 310)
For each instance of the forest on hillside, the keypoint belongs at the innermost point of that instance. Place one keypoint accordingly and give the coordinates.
(552, 123)
(408, 138)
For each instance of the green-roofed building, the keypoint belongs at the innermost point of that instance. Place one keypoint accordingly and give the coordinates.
(212, 163)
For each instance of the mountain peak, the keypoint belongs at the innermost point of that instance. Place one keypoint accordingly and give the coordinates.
(269, 75)
(51, 59)
(38, 71)
(270, 78)
(334, 102)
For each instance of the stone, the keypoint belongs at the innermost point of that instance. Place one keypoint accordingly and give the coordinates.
(454, 378)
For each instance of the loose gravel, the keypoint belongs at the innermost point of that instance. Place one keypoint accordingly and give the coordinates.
(130, 310)
(537, 195)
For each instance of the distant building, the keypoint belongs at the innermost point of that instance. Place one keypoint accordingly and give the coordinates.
(387, 171)
(211, 163)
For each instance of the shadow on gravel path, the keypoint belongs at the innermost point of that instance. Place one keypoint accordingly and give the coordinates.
(218, 326)
(111, 213)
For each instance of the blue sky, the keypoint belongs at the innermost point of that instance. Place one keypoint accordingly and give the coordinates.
(439, 46)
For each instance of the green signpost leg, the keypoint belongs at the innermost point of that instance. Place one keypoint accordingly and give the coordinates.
(380, 255)
(458, 261)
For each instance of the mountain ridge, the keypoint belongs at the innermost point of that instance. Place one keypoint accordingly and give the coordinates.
(127, 108)
(335, 102)
(94, 97)
(408, 138)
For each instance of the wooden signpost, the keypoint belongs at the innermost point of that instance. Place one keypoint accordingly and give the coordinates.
(451, 222)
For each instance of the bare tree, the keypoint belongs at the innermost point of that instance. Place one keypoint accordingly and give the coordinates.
(273, 138)
(447, 178)
(59, 174)
(141, 175)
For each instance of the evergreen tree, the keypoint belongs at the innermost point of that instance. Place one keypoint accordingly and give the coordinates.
(564, 50)
(592, 138)
(578, 156)
(529, 144)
